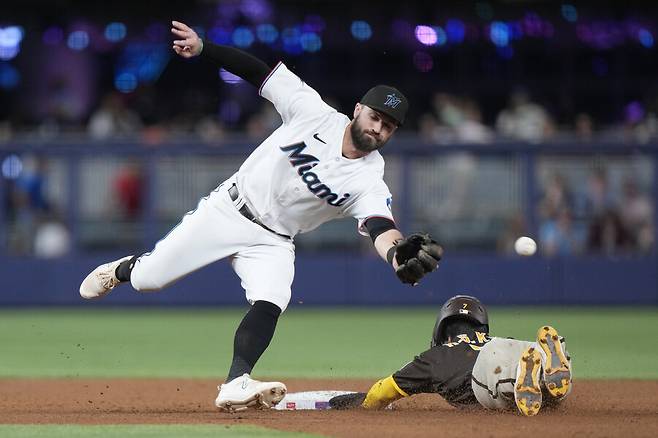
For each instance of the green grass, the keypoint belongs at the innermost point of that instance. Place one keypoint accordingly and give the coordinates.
(141, 431)
(604, 342)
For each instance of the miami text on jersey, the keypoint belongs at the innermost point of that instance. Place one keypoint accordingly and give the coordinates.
(304, 163)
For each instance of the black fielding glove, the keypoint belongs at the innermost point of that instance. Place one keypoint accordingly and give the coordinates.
(347, 401)
(417, 254)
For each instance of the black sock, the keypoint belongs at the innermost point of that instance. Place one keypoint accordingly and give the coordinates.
(124, 269)
(252, 337)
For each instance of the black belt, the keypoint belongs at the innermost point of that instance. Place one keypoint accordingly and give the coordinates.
(244, 211)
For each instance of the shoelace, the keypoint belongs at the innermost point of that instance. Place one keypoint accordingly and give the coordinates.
(108, 281)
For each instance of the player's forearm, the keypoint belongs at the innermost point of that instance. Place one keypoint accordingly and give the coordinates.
(383, 393)
(384, 242)
(236, 61)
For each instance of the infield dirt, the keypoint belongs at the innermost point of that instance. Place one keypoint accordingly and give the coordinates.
(596, 408)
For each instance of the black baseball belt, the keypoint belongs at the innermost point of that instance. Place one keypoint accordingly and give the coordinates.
(244, 211)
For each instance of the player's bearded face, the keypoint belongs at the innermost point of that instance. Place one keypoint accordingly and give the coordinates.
(365, 139)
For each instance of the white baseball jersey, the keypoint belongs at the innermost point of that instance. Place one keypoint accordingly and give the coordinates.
(297, 178)
(294, 181)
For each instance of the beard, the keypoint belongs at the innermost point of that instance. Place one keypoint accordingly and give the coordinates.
(362, 141)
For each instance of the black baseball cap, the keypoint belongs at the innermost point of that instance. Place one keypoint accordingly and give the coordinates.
(388, 100)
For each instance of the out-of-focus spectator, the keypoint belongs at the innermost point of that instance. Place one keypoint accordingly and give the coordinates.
(607, 234)
(62, 107)
(584, 127)
(559, 236)
(457, 120)
(113, 119)
(447, 109)
(261, 124)
(210, 129)
(515, 228)
(31, 184)
(598, 196)
(639, 125)
(427, 128)
(5, 131)
(28, 204)
(637, 215)
(556, 198)
(524, 120)
(471, 129)
(557, 233)
(128, 191)
(457, 177)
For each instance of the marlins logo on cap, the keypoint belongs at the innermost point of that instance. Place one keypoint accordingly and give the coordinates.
(392, 100)
(388, 100)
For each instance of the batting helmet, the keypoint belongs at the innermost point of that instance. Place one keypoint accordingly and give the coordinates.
(462, 306)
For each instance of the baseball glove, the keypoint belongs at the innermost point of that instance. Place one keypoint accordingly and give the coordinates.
(417, 254)
(347, 401)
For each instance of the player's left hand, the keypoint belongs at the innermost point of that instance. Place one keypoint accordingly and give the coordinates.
(416, 255)
(189, 44)
(347, 401)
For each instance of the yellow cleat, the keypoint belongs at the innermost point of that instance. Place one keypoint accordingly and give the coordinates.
(557, 372)
(527, 389)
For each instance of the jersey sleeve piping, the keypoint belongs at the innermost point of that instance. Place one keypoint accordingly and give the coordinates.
(390, 218)
(260, 89)
(361, 225)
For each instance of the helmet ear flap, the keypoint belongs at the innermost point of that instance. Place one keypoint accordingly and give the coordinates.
(435, 333)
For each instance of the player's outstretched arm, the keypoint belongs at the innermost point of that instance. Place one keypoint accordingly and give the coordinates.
(383, 393)
(240, 63)
(411, 257)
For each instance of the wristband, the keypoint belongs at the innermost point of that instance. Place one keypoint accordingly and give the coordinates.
(390, 254)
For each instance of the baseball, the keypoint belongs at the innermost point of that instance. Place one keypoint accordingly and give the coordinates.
(525, 246)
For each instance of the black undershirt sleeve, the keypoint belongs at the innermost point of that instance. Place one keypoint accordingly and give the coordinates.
(236, 61)
(378, 225)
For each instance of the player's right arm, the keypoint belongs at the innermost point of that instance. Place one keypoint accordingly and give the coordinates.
(236, 61)
(292, 98)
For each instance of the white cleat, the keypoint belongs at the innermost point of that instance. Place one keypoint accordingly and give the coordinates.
(246, 393)
(101, 280)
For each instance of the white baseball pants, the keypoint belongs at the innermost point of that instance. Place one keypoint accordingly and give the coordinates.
(495, 370)
(214, 230)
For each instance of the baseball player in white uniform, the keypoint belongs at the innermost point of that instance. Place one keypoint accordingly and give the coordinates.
(317, 166)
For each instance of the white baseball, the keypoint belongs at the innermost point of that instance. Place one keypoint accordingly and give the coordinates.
(525, 246)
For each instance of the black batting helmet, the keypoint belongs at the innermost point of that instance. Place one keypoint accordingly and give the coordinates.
(463, 306)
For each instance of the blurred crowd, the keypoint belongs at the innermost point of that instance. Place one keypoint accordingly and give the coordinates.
(36, 225)
(595, 218)
(445, 118)
(458, 119)
(572, 217)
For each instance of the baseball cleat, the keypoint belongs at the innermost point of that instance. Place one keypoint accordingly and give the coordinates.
(246, 393)
(527, 389)
(101, 280)
(557, 372)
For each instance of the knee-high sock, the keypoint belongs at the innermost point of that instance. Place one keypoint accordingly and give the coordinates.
(253, 337)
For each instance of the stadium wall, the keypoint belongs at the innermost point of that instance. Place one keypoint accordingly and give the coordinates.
(339, 279)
